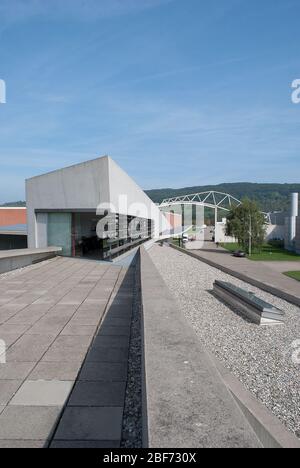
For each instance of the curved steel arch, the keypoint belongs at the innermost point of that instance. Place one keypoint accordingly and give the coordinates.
(212, 199)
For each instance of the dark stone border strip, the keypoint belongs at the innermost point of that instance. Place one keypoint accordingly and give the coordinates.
(132, 417)
(93, 414)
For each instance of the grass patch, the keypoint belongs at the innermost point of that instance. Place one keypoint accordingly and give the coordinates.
(293, 274)
(269, 252)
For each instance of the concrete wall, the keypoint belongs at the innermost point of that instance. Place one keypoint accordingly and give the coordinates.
(84, 187)
(134, 201)
(297, 240)
(41, 230)
(14, 259)
(220, 235)
(275, 232)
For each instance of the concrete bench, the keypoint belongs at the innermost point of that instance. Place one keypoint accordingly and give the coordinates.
(14, 259)
(254, 308)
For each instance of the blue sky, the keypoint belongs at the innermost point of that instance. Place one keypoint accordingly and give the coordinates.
(178, 92)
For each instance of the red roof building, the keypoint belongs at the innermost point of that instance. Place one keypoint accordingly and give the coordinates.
(12, 216)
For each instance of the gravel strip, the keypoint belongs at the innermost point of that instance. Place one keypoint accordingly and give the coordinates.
(260, 357)
(132, 417)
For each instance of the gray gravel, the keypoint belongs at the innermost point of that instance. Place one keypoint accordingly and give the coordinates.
(260, 357)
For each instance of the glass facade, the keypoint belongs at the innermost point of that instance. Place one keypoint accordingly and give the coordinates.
(60, 231)
(76, 234)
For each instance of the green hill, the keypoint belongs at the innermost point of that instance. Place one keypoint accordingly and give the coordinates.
(13, 204)
(270, 197)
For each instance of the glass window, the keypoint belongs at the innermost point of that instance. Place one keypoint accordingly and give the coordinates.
(60, 231)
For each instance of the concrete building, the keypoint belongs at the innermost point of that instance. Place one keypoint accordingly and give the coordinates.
(68, 208)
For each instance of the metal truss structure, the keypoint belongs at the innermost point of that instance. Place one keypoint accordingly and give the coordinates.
(215, 200)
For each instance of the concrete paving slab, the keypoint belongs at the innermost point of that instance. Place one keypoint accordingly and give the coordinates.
(116, 322)
(28, 423)
(27, 298)
(107, 330)
(95, 423)
(60, 354)
(49, 325)
(11, 309)
(10, 338)
(88, 317)
(22, 444)
(6, 315)
(15, 370)
(93, 304)
(68, 348)
(8, 328)
(98, 394)
(68, 341)
(105, 354)
(8, 388)
(84, 444)
(79, 330)
(42, 393)
(28, 316)
(66, 371)
(104, 371)
(86, 320)
(76, 297)
(119, 310)
(53, 339)
(117, 313)
(111, 341)
(29, 348)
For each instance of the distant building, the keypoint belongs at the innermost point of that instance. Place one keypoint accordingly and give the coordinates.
(63, 211)
(13, 228)
(292, 226)
(11, 216)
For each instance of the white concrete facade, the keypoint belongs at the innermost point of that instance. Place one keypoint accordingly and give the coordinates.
(292, 226)
(83, 187)
(275, 232)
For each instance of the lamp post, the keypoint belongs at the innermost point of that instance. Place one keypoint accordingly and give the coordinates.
(250, 236)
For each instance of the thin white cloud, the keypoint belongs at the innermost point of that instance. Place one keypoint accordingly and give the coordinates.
(82, 10)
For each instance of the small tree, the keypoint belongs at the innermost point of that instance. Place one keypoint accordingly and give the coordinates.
(248, 225)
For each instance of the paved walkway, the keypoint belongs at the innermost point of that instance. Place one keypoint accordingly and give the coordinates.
(262, 274)
(49, 317)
